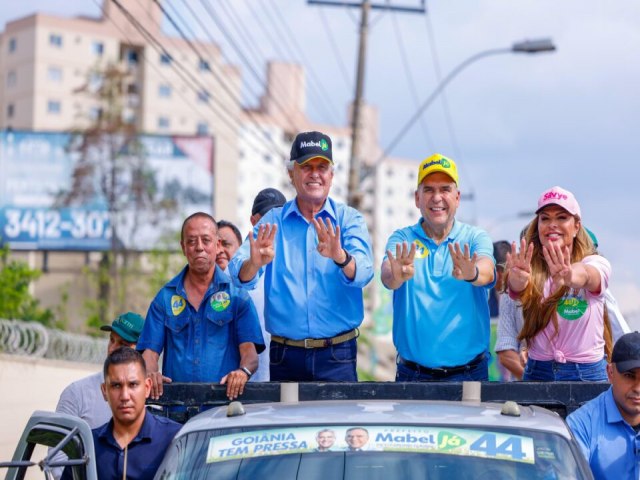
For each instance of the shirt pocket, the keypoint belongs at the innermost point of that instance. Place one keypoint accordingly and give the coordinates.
(219, 328)
(177, 325)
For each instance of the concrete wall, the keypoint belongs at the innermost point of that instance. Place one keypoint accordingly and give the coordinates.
(28, 384)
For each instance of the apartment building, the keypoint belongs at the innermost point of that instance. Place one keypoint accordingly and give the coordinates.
(51, 68)
(388, 183)
(45, 62)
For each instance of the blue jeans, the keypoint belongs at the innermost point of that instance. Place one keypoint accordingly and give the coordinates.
(552, 371)
(477, 372)
(336, 363)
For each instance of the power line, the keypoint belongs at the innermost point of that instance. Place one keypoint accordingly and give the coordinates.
(410, 80)
(184, 74)
(156, 69)
(241, 54)
(242, 32)
(447, 112)
(193, 35)
(336, 51)
(274, 44)
(438, 72)
(217, 76)
(314, 78)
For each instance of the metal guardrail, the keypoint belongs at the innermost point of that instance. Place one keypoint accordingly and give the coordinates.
(34, 340)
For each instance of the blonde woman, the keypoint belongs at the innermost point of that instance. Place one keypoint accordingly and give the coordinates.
(560, 281)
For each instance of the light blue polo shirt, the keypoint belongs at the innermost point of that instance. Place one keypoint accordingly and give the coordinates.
(608, 442)
(439, 321)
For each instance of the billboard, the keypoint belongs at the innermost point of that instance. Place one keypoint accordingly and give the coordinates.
(37, 167)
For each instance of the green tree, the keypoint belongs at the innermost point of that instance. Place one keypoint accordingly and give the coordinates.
(16, 301)
(111, 171)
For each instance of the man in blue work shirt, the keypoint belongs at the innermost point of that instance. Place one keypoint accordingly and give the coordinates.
(315, 254)
(133, 443)
(207, 328)
(441, 284)
(608, 427)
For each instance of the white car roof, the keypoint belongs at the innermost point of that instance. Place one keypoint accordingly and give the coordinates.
(381, 412)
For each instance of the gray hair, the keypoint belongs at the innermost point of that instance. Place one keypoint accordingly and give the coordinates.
(291, 163)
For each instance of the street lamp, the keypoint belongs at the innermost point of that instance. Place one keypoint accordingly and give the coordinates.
(526, 46)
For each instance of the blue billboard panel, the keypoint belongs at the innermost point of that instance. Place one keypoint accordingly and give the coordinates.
(37, 167)
(55, 229)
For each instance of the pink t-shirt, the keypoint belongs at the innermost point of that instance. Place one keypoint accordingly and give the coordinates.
(580, 314)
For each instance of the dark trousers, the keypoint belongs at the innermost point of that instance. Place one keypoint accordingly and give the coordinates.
(336, 363)
(479, 371)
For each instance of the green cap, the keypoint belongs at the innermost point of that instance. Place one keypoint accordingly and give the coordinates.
(128, 326)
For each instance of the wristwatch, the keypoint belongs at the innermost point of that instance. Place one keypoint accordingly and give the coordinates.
(346, 260)
(247, 371)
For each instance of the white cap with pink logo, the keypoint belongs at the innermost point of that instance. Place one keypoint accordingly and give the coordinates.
(561, 197)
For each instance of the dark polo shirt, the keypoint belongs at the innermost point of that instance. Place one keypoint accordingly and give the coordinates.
(145, 451)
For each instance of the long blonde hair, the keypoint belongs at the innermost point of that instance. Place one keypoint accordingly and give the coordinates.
(537, 310)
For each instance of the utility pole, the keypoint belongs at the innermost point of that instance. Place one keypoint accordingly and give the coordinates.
(355, 195)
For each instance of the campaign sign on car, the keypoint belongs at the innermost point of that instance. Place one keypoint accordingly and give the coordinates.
(332, 438)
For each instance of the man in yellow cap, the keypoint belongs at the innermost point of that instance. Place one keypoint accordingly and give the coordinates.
(441, 271)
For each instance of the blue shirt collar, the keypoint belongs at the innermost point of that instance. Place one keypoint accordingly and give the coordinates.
(220, 277)
(105, 432)
(613, 413)
(328, 209)
(417, 228)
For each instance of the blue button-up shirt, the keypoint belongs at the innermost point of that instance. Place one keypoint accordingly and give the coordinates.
(308, 295)
(200, 345)
(608, 442)
(145, 451)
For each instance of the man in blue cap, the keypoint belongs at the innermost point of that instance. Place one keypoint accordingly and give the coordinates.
(608, 427)
(265, 200)
(315, 255)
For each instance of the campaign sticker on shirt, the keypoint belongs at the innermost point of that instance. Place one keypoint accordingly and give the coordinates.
(572, 306)
(177, 305)
(421, 250)
(220, 301)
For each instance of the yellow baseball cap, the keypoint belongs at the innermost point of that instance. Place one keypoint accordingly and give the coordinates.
(437, 163)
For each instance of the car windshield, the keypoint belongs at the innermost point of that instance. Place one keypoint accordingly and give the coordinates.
(370, 452)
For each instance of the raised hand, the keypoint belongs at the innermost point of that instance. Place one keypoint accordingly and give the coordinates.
(558, 260)
(519, 265)
(464, 265)
(261, 248)
(329, 244)
(402, 268)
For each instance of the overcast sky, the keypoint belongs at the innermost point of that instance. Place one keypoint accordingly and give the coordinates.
(521, 123)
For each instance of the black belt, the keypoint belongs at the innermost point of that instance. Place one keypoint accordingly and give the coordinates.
(317, 342)
(441, 372)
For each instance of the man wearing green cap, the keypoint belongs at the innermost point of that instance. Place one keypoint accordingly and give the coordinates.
(440, 271)
(83, 398)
